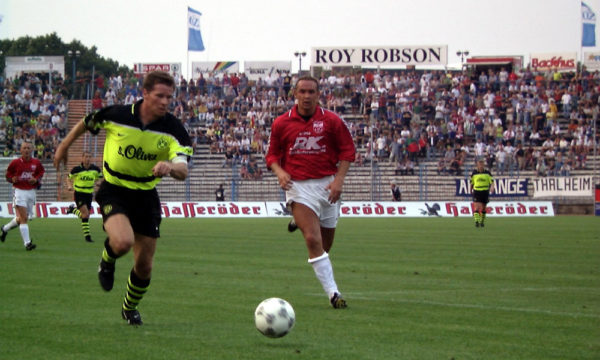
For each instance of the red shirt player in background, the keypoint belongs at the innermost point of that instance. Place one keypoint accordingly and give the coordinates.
(310, 151)
(25, 173)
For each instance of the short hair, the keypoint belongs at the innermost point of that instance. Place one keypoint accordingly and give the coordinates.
(157, 77)
(308, 78)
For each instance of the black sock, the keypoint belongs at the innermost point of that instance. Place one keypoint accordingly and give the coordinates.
(108, 254)
(85, 227)
(136, 288)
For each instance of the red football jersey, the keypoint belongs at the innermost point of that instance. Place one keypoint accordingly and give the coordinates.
(25, 170)
(309, 149)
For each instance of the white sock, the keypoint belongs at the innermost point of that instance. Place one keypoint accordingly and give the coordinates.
(11, 225)
(24, 229)
(324, 271)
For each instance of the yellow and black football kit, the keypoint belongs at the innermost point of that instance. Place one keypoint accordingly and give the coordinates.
(131, 150)
(84, 180)
(481, 181)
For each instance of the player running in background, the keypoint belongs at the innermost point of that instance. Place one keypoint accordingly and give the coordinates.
(25, 174)
(310, 151)
(144, 142)
(84, 178)
(482, 184)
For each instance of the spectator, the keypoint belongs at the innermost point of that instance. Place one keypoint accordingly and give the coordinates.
(541, 168)
(396, 194)
(97, 102)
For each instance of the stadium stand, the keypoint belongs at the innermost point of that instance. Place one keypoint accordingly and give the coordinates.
(431, 118)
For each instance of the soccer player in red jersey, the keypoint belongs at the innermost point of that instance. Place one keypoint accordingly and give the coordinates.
(310, 151)
(25, 174)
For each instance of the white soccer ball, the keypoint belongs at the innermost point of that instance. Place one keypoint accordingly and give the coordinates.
(274, 317)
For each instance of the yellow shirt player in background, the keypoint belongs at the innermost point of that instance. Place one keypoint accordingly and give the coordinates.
(83, 179)
(144, 143)
(482, 184)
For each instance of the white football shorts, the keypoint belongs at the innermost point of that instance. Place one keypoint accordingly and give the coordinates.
(26, 199)
(313, 193)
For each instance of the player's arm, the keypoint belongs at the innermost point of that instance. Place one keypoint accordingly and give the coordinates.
(179, 170)
(99, 177)
(471, 185)
(70, 181)
(63, 147)
(176, 168)
(346, 155)
(492, 188)
(335, 187)
(284, 178)
(11, 175)
(273, 158)
(38, 174)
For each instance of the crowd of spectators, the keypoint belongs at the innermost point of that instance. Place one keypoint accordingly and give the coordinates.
(31, 111)
(513, 120)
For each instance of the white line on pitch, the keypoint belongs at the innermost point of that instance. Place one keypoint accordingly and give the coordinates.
(350, 296)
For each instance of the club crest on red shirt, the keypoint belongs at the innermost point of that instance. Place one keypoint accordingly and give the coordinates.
(318, 127)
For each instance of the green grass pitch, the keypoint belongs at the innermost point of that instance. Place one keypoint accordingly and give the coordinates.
(416, 289)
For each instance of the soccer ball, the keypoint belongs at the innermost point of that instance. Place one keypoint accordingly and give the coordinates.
(274, 317)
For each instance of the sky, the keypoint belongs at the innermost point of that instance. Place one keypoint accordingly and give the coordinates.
(150, 31)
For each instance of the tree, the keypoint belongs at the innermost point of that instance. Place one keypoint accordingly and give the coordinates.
(52, 45)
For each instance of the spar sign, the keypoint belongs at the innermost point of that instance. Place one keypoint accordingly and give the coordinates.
(373, 56)
(144, 68)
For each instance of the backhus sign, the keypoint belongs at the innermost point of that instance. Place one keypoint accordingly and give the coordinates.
(566, 61)
(380, 55)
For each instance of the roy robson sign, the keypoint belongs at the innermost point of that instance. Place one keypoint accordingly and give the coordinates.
(380, 55)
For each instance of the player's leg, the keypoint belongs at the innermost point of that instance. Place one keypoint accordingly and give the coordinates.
(7, 227)
(309, 224)
(120, 239)
(327, 234)
(139, 277)
(83, 203)
(483, 206)
(484, 201)
(74, 208)
(11, 224)
(145, 221)
(24, 227)
(328, 222)
(335, 296)
(292, 225)
(477, 213)
(25, 201)
(85, 222)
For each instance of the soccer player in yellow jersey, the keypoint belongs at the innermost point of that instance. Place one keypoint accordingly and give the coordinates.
(482, 184)
(144, 142)
(84, 178)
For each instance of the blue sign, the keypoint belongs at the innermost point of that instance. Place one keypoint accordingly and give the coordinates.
(505, 187)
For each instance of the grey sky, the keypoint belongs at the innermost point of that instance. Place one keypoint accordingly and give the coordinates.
(236, 30)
